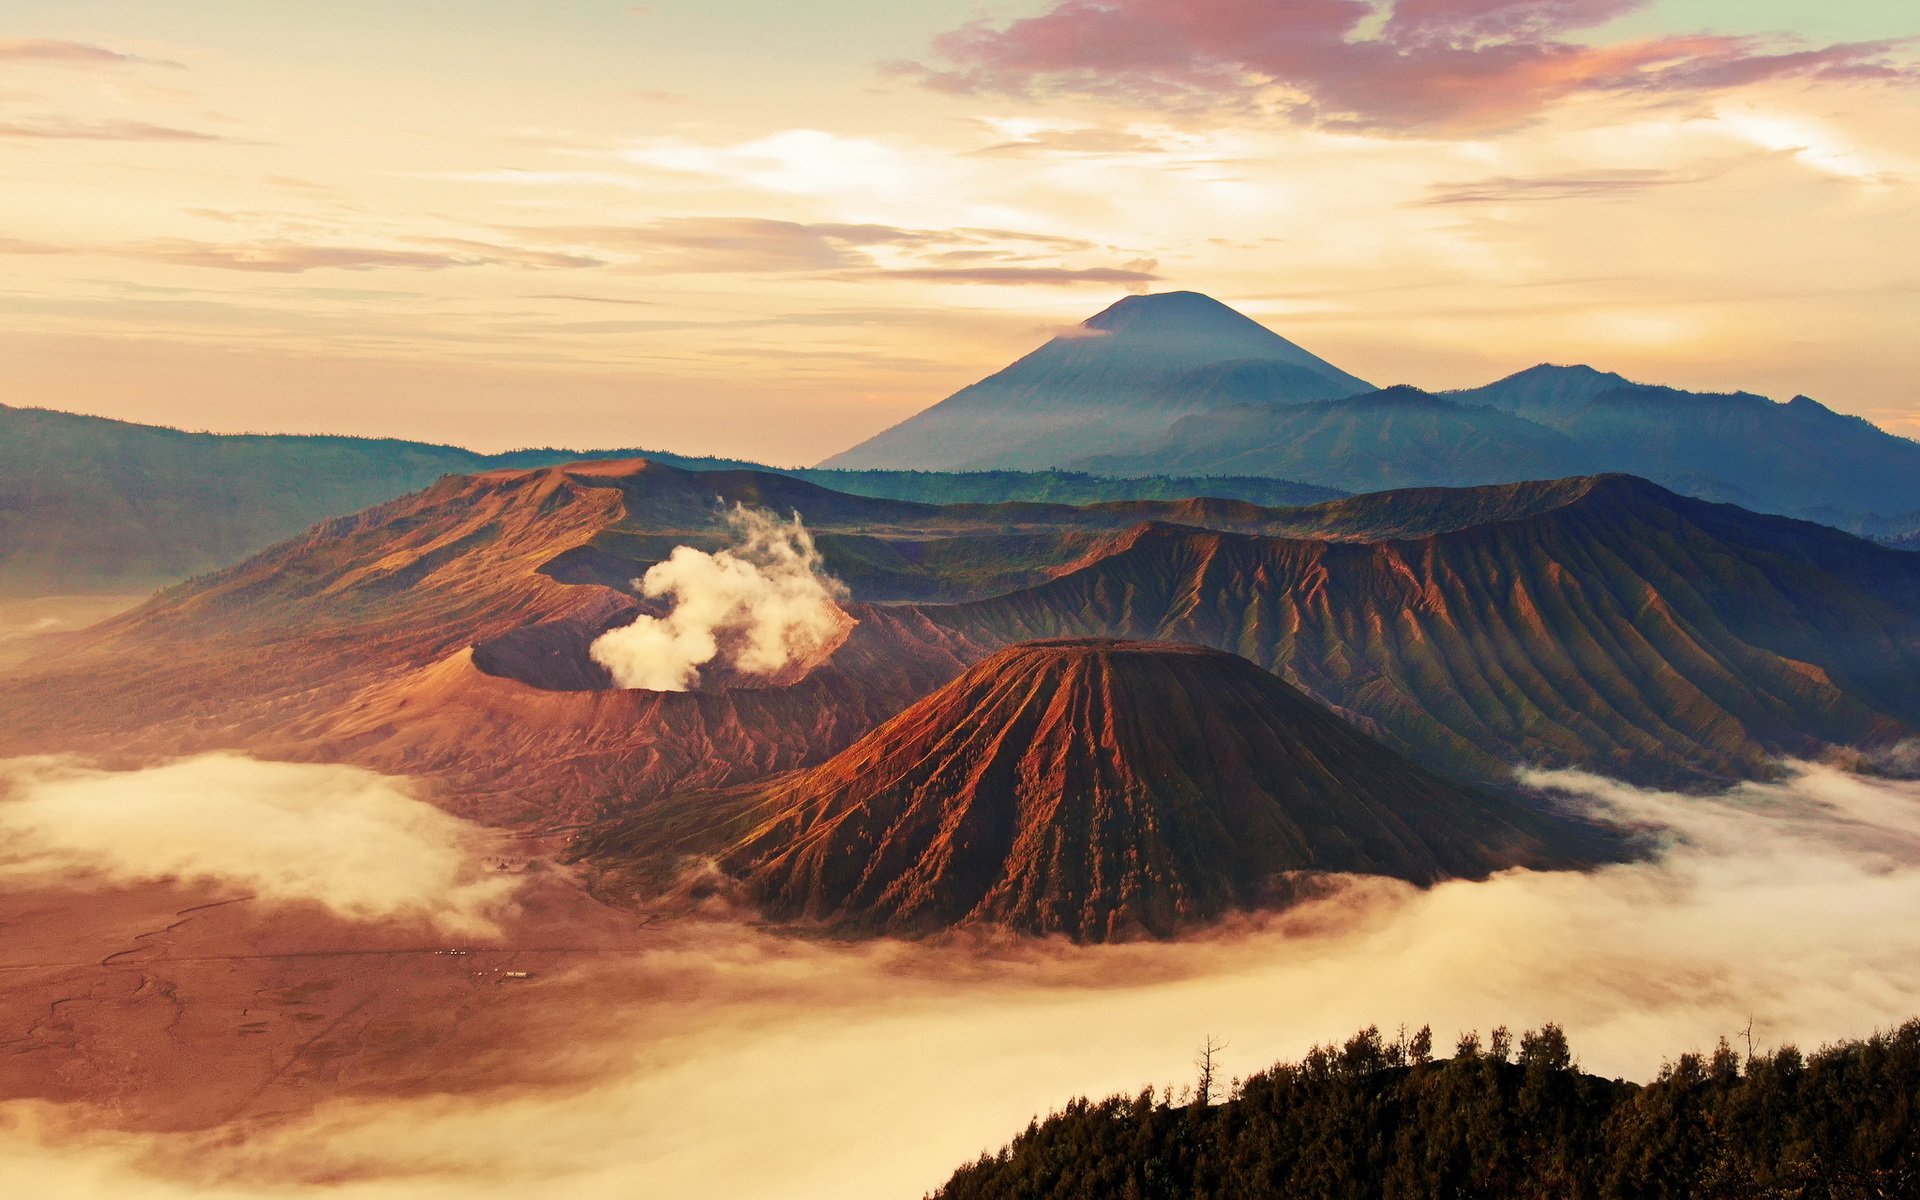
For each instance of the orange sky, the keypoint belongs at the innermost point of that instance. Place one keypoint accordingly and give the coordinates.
(750, 229)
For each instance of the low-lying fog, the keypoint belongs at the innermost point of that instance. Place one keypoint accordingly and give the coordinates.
(722, 1061)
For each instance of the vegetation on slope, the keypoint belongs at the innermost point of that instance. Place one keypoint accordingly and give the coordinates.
(1378, 1118)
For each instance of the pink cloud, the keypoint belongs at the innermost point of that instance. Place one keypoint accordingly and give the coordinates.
(1447, 66)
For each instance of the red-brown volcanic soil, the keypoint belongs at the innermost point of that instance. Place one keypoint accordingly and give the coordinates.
(1098, 789)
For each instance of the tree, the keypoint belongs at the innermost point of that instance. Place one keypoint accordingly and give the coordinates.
(1203, 1090)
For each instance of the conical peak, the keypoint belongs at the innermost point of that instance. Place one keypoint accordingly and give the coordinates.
(1174, 312)
(1105, 789)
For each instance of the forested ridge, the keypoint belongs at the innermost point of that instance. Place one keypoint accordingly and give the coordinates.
(1383, 1118)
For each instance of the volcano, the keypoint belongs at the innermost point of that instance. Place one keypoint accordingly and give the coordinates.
(1118, 379)
(1104, 789)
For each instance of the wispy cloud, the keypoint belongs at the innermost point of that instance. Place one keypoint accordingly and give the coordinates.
(1088, 140)
(64, 129)
(698, 245)
(71, 54)
(728, 244)
(624, 300)
(1507, 189)
(280, 256)
(1021, 276)
(1432, 66)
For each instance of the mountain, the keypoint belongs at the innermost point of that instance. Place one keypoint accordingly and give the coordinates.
(1799, 458)
(1605, 623)
(1544, 393)
(1796, 459)
(1179, 384)
(1102, 789)
(1602, 623)
(1060, 487)
(1396, 438)
(447, 633)
(91, 505)
(1120, 377)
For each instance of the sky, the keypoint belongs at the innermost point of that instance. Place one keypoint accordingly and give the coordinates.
(769, 230)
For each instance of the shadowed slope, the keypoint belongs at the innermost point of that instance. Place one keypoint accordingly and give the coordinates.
(1397, 438)
(1625, 630)
(1799, 458)
(1099, 789)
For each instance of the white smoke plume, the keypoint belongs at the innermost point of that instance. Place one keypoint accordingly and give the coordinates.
(360, 844)
(760, 606)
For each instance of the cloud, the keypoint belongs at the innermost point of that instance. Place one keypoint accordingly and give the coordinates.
(1591, 185)
(478, 253)
(285, 257)
(360, 844)
(70, 54)
(760, 607)
(622, 300)
(1078, 140)
(1432, 66)
(700, 245)
(736, 1063)
(728, 244)
(654, 96)
(1020, 276)
(800, 162)
(102, 131)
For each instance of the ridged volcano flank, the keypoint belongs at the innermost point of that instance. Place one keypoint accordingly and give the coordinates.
(1101, 789)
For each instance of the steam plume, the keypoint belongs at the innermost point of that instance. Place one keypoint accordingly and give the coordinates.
(358, 843)
(760, 606)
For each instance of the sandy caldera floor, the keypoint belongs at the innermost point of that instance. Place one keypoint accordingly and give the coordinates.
(167, 1007)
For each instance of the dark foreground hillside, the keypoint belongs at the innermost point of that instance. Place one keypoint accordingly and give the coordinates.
(1381, 1119)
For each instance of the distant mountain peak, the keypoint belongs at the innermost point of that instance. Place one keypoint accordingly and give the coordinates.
(1545, 387)
(1400, 395)
(1081, 394)
(1170, 308)
(1569, 371)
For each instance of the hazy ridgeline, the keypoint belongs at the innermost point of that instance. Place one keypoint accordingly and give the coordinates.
(1380, 1118)
(95, 505)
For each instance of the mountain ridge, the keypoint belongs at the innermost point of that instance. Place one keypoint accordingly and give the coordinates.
(1600, 623)
(1268, 415)
(95, 504)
